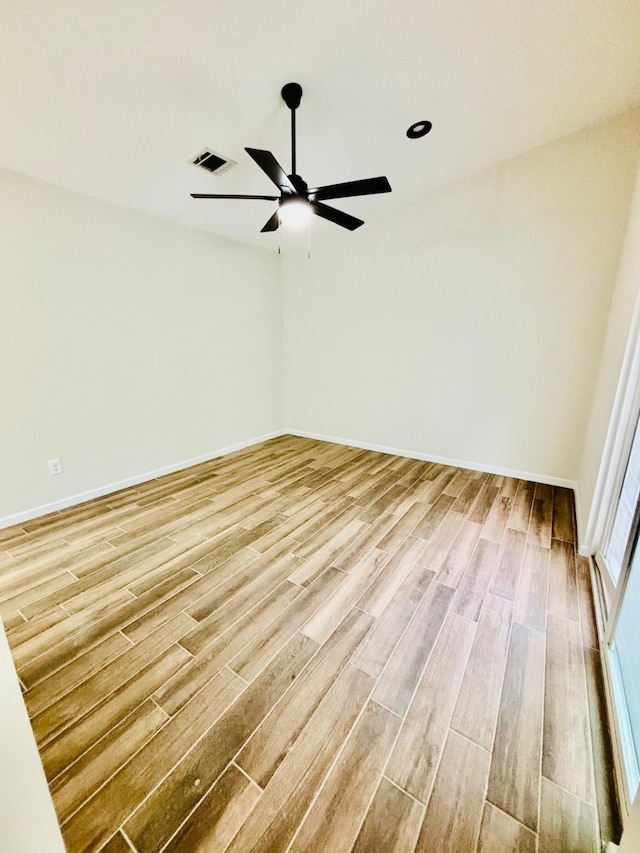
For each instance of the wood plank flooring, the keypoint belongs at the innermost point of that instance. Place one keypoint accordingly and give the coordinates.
(308, 647)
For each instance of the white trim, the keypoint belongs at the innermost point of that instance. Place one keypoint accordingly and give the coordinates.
(606, 584)
(443, 460)
(631, 774)
(619, 775)
(578, 511)
(100, 491)
(625, 406)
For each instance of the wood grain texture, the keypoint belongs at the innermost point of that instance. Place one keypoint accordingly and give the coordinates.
(531, 600)
(402, 528)
(132, 663)
(498, 517)
(79, 737)
(103, 759)
(499, 831)
(270, 743)
(468, 496)
(11, 620)
(414, 761)
(484, 674)
(363, 545)
(227, 610)
(539, 532)
(219, 816)
(566, 752)
(316, 562)
(116, 845)
(563, 591)
(109, 807)
(514, 780)
(373, 654)
(563, 526)
(452, 820)
(483, 503)
(437, 548)
(378, 595)
(270, 827)
(392, 823)
(456, 486)
(176, 691)
(398, 682)
(259, 651)
(507, 574)
(202, 657)
(74, 673)
(163, 812)
(336, 815)
(455, 562)
(329, 615)
(566, 823)
(433, 517)
(475, 582)
(521, 510)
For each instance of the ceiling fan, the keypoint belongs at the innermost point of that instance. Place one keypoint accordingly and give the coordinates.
(296, 202)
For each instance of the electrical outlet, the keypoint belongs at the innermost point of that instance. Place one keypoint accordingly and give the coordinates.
(55, 466)
(309, 412)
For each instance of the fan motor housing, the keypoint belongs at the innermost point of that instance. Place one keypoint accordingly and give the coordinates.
(292, 95)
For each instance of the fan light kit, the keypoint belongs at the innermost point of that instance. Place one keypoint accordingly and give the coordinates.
(295, 213)
(296, 202)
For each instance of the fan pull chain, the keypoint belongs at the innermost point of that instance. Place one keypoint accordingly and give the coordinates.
(279, 241)
(309, 240)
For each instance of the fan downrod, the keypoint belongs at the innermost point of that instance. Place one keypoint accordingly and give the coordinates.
(291, 95)
(293, 188)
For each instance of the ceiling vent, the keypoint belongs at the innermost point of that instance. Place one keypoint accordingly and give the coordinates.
(213, 163)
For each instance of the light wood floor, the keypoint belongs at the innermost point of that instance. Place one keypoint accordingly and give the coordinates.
(308, 647)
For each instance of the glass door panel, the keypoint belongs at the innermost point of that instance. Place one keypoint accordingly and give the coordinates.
(618, 537)
(624, 656)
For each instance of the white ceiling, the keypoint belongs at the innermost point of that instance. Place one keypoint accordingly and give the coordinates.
(112, 98)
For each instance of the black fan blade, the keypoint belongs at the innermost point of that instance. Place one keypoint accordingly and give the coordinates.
(272, 169)
(368, 186)
(208, 195)
(272, 224)
(337, 216)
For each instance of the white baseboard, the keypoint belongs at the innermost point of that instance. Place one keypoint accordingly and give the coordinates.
(427, 457)
(100, 491)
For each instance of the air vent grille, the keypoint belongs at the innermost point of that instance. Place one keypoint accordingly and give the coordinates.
(212, 162)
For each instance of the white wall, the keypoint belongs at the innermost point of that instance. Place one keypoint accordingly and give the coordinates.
(28, 821)
(591, 479)
(128, 344)
(467, 326)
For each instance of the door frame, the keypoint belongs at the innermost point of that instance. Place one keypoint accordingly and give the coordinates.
(625, 416)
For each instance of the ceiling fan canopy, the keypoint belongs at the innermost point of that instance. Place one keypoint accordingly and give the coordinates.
(296, 202)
